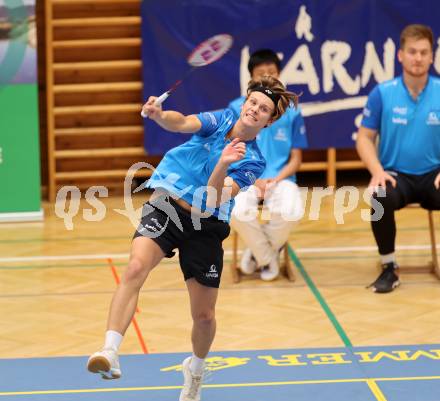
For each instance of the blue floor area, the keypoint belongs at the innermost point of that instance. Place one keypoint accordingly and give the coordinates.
(400, 373)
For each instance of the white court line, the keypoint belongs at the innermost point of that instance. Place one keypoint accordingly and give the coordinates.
(65, 257)
(227, 252)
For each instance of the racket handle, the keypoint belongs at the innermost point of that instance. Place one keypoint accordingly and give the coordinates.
(158, 102)
(161, 98)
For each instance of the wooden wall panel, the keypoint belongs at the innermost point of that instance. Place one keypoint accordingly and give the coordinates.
(91, 95)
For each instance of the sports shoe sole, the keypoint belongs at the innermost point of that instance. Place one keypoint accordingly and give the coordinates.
(101, 365)
(269, 279)
(393, 287)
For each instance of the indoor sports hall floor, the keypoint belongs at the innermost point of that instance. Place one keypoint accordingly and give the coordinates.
(322, 337)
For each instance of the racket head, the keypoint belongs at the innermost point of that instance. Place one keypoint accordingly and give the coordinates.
(210, 50)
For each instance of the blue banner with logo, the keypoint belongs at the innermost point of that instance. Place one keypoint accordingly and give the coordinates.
(333, 52)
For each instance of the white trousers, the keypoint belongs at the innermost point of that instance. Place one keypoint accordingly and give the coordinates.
(282, 208)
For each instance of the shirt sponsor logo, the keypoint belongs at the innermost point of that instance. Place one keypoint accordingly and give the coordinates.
(400, 110)
(210, 117)
(251, 177)
(252, 154)
(280, 135)
(399, 121)
(433, 118)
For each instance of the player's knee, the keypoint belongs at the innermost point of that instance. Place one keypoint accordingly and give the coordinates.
(136, 271)
(242, 217)
(387, 199)
(292, 212)
(205, 316)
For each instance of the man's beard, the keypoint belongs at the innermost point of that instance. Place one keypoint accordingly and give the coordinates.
(409, 71)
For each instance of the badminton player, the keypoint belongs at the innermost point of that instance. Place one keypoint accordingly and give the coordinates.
(194, 186)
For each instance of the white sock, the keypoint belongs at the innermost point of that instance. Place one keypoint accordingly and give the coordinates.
(388, 258)
(113, 340)
(197, 365)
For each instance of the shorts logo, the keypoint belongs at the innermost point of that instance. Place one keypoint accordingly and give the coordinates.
(156, 222)
(152, 228)
(157, 227)
(212, 272)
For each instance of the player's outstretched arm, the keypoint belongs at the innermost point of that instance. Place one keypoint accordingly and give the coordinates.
(171, 120)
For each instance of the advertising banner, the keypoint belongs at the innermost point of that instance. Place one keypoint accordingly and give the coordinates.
(333, 51)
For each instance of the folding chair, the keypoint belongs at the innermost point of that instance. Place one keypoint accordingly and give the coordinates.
(433, 265)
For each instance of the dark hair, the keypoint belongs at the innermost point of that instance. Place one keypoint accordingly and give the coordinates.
(286, 97)
(416, 31)
(263, 56)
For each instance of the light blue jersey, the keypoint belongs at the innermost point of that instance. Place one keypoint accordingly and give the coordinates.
(277, 140)
(185, 170)
(409, 129)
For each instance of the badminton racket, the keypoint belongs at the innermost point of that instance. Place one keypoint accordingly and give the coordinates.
(207, 52)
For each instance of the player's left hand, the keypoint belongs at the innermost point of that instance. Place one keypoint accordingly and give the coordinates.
(233, 151)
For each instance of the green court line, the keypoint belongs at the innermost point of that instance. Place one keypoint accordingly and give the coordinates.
(375, 256)
(226, 261)
(372, 385)
(169, 262)
(312, 232)
(320, 298)
(355, 230)
(225, 385)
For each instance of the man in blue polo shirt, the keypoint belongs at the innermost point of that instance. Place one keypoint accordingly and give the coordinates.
(281, 144)
(405, 114)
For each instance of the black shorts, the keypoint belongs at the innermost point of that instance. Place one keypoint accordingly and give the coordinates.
(412, 188)
(199, 241)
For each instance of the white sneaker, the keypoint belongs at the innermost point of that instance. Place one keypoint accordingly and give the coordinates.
(271, 271)
(248, 264)
(192, 385)
(105, 362)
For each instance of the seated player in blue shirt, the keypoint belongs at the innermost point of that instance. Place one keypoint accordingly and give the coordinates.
(280, 144)
(405, 115)
(194, 186)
